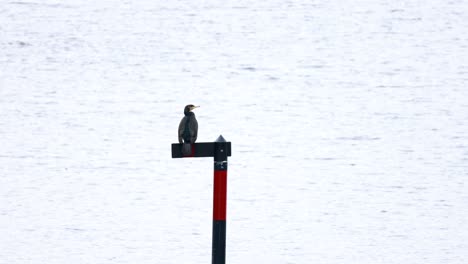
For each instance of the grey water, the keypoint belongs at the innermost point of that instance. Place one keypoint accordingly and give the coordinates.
(348, 122)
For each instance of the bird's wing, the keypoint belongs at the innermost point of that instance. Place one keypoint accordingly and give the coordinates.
(181, 129)
(193, 129)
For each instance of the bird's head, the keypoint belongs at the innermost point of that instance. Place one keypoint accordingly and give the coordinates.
(189, 108)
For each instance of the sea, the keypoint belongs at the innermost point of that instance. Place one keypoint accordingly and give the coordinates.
(348, 122)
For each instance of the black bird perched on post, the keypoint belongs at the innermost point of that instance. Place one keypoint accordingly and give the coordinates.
(188, 130)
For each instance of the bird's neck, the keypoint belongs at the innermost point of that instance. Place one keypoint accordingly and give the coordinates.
(189, 113)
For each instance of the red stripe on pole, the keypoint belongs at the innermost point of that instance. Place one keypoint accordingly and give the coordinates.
(219, 195)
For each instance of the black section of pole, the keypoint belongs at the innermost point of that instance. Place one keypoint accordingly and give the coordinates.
(219, 201)
(220, 154)
(219, 242)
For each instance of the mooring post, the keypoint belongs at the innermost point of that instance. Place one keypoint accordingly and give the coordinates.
(220, 150)
(219, 201)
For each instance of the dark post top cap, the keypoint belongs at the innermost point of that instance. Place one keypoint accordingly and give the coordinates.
(220, 139)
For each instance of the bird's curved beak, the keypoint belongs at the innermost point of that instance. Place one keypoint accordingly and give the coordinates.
(196, 106)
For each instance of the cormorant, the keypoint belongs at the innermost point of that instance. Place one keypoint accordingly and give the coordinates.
(188, 130)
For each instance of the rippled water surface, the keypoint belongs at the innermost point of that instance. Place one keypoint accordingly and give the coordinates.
(348, 122)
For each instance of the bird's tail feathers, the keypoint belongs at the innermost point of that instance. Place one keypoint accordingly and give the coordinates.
(187, 149)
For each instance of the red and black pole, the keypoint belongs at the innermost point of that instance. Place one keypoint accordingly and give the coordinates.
(220, 150)
(219, 201)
